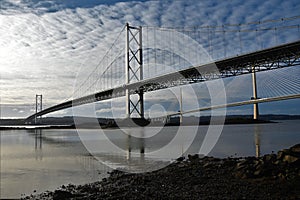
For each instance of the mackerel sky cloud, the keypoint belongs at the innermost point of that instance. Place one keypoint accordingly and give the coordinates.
(45, 43)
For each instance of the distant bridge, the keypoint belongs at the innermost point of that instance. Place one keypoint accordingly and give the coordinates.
(242, 103)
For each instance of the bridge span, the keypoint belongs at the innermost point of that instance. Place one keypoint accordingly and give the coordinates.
(286, 55)
(241, 103)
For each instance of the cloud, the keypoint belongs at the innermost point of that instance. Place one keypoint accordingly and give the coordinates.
(44, 45)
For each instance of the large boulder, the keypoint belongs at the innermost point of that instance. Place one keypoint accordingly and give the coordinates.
(284, 165)
(295, 148)
(291, 155)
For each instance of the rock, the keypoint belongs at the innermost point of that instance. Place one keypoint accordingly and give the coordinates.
(243, 162)
(181, 165)
(277, 162)
(241, 175)
(207, 165)
(280, 154)
(61, 194)
(281, 176)
(209, 158)
(257, 172)
(269, 158)
(193, 157)
(291, 155)
(290, 158)
(240, 165)
(295, 148)
(180, 159)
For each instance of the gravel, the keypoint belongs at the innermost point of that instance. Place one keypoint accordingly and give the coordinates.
(273, 176)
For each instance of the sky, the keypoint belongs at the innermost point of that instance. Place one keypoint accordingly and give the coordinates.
(46, 44)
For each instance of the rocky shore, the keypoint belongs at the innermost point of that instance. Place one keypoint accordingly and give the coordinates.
(273, 176)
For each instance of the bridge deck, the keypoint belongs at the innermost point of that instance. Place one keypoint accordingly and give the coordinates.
(285, 55)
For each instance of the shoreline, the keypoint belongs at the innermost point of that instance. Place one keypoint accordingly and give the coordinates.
(272, 176)
(35, 127)
(68, 122)
(205, 123)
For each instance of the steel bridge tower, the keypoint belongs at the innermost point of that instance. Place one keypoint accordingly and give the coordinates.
(38, 107)
(134, 70)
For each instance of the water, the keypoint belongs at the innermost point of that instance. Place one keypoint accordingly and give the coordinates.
(44, 160)
(34, 160)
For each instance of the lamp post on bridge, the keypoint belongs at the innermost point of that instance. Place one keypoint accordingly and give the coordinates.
(134, 69)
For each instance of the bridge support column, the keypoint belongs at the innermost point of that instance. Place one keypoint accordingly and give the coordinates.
(134, 70)
(38, 107)
(254, 86)
(180, 107)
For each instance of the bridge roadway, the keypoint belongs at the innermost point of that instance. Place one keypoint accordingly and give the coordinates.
(241, 103)
(285, 55)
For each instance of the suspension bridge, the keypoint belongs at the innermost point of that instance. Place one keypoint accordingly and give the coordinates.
(146, 59)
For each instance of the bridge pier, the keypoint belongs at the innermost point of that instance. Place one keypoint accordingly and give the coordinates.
(254, 86)
(180, 107)
(134, 69)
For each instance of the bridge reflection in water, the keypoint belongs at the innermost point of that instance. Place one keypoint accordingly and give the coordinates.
(38, 144)
(82, 158)
(257, 133)
(136, 146)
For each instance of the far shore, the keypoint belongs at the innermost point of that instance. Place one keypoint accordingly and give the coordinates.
(114, 126)
(71, 122)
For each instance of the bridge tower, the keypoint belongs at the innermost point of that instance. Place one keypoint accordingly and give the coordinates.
(38, 107)
(134, 69)
(254, 86)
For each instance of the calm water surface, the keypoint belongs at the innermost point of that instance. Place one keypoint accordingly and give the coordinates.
(39, 160)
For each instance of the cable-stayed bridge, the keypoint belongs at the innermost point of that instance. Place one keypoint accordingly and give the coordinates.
(145, 59)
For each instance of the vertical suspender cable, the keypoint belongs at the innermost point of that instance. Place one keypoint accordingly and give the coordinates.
(155, 59)
(224, 42)
(146, 48)
(240, 39)
(275, 37)
(299, 31)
